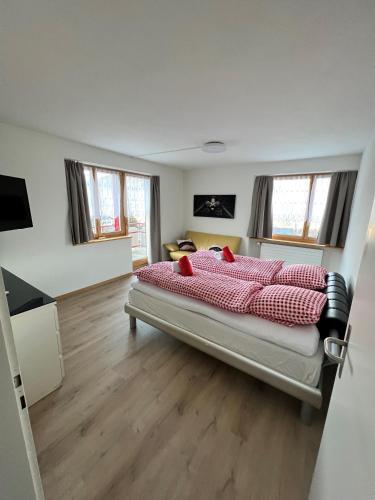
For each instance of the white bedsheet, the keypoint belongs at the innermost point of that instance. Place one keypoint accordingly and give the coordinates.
(305, 369)
(301, 339)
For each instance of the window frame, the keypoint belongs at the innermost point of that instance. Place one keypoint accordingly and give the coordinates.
(124, 232)
(304, 238)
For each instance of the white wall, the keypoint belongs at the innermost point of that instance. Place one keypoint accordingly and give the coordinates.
(239, 180)
(44, 254)
(361, 211)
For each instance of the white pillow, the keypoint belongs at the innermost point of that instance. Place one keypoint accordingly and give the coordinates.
(175, 266)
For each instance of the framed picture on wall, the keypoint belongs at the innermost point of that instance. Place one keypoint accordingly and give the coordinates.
(214, 205)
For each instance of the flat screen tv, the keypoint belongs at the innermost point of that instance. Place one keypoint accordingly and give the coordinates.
(14, 204)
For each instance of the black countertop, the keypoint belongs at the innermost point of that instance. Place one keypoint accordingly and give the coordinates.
(23, 297)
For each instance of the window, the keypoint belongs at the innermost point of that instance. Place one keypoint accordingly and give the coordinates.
(106, 202)
(119, 206)
(137, 210)
(298, 205)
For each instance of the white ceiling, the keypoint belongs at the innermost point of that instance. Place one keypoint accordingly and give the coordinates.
(274, 79)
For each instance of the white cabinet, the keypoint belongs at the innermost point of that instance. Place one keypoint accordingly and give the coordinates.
(37, 339)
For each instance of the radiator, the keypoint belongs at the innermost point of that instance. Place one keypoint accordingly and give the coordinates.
(291, 254)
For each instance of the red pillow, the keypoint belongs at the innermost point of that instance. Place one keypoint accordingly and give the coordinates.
(228, 254)
(288, 305)
(302, 275)
(186, 269)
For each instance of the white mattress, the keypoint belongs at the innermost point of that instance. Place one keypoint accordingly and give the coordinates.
(301, 339)
(305, 369)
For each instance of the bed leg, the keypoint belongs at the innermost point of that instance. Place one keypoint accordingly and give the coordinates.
(133, 322)
(306, 413)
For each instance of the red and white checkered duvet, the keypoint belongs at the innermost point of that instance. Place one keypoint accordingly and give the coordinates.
(243, 268)
(288, 305)
(222, 291)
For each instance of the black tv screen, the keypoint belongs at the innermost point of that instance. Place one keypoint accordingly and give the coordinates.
(14, 204)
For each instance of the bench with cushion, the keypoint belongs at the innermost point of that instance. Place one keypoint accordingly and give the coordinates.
(203, 241)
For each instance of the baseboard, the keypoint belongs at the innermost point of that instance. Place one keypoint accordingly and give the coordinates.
(92, 287)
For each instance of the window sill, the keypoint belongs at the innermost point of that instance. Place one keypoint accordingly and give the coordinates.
(101, 240)
(140, 263)
(294, 243)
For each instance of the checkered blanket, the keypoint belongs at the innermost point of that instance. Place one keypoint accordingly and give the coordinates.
(288, 305)
(222, 291)
(243, 268)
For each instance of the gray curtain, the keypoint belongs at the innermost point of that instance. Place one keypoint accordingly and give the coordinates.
(337, 213)
(155, 226)
(260, 225)
(79, 214)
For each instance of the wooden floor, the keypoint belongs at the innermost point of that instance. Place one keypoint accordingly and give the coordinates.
(146, 417)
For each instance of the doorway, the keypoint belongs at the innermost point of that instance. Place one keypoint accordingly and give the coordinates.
(137, 193)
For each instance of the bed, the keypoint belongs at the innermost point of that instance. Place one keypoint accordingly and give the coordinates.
(289, 359)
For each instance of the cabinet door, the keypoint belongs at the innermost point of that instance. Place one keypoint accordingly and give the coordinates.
(37, 349)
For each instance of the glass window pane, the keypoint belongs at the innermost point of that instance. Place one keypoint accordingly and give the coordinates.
(318, 203)
(108, 186)
(137, 189)
(289, 205)
(89, 177)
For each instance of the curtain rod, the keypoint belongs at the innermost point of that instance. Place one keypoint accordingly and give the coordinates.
(306, 174)
(106, 167)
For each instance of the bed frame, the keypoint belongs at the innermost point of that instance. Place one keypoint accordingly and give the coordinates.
(332, 324)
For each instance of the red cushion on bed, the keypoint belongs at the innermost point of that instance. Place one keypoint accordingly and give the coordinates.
(302, 275)
(288, 305)
(186, 269)
(228, 254)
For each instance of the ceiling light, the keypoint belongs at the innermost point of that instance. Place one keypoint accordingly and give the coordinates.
(213, 147)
